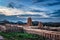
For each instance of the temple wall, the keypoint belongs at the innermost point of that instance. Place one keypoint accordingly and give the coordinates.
(48, 34)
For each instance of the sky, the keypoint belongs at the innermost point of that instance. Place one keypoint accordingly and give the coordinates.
(38, 10)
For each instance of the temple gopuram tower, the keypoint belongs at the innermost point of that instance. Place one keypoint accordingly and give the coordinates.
(40, 25)
(29, 21)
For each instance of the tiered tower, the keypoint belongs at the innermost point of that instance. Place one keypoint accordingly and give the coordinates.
(40, 25)
(29, 21)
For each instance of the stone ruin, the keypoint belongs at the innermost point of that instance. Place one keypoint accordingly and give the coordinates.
(29, 23)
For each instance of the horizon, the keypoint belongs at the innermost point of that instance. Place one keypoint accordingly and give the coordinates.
(25, 21)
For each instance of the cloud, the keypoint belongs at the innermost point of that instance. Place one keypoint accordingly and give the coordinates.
(36, 11)
(52, 4)
(35, 15)
(13, 11)
(56, 14)
(11, 4)
(25, 8)
(37, 1)
(10, 11)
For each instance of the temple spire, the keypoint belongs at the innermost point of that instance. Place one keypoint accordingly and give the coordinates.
(40, 25)
(29, 21)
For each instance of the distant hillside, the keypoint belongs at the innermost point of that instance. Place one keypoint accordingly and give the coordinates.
(35, 23)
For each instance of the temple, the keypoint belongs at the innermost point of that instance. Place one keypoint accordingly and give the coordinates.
(52, 33)
(29, 21)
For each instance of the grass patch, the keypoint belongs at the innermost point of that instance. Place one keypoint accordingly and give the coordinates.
(21, 36)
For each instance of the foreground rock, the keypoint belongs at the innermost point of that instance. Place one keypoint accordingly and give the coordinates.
(1, 38)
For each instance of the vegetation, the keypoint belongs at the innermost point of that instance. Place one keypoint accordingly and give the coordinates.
(52, 24)
(21, 36)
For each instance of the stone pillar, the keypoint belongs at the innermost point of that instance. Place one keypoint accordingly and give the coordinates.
(40, 25)
(29, 22)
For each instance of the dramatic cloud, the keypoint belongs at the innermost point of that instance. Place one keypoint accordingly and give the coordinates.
(56, 14)
(37, 1)
(15, 9)
(10, 11)
(36, 11)
(52, 4)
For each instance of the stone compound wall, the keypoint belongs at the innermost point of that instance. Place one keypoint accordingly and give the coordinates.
(51, 35)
